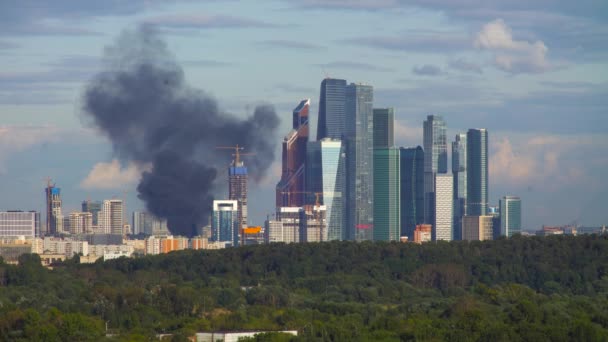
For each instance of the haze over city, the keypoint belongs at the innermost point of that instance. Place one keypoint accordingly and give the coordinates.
(535, 77)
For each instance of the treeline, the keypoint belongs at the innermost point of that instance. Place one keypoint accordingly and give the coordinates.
(524, 288)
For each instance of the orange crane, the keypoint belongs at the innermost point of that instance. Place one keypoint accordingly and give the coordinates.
(237, 152)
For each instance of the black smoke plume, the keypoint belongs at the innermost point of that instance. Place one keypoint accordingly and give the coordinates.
(142, 102)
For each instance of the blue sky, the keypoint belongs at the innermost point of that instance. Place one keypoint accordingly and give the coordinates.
(533, 73)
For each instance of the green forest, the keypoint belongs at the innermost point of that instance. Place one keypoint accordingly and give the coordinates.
(519, 289)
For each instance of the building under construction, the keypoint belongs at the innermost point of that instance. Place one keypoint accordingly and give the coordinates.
(54, 216)
(237, 187)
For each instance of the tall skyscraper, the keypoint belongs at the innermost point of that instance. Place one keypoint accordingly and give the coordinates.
(387, 206)
(111, 219)
(81, 223)
(384, 123)
(510, 216)
(93, 207)
(412, 189)
(290, 189)
(237, 188)
(360, 161)
(459, 171)
(332, 114)
(435, 158)
(225, 224)
(477, 172)
(54, 216)
(443, 209)
(326, 175)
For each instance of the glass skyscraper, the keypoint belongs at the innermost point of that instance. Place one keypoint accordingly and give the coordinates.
(332, 112)
(387, 218)
(360, 161)
(435, 158)
(326, 174)
(225, 224)
(412, 189)
(459, 171)
(384, 121)
(510, 216)
(477, 172)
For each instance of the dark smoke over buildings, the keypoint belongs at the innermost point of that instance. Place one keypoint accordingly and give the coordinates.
(142, 103)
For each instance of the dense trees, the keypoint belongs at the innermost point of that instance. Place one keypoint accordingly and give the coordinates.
(553, 288)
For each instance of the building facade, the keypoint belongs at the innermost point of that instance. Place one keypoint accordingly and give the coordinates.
(112, 219)
(435, 158)
(93, 207)
(237, 190)
(81, 223)
(387, 186)
(477, 228)
(290, 189)
(225, 225)
(384, 127)
(411, 189)
(54, 216)
(15, 224)
(332, 113)
(477, 172)
(360, 162)
(443, 209)
(510, 216)
(459, 172)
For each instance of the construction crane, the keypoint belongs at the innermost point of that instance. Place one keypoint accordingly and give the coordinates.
(317, 195)
(237, 153)
(317, 205)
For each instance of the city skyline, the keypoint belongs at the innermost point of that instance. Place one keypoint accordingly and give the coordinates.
(551, 157)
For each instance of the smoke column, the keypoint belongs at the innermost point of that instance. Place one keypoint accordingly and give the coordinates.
(142, 103)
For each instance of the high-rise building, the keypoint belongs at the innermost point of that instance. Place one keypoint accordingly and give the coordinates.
(435, 158)
(477, 228)
(81, 223)
(54, 216)
(332, 113)
(291, 223)
(290, 189)
(443, 208)
(510, 216)
(146, 223)
(412, 189)
(93, 207)
(477, 172)
(15, 224)
(111, 218)
(326, 176)
(384, 131)
(387, 206)
(459, 171)
(225, 225)
(237, 189)
(360, 161)
(313, 225)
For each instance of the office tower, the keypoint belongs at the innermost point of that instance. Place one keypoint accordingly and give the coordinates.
(225, 224)
(359, 161)
(111, 219)
(291, 220)
(290, 189)
(510, 216)
(477, 228)
(332, 114)
(477, 172)
(93, 207)
(325, 180)
(81, 223)
(139, 222)
(237, 188)
(387, 206)
(435, 158)
(459, 171)
(443, 199)
(16, 223)
(412, 189)
(384, 123)
(54, 217)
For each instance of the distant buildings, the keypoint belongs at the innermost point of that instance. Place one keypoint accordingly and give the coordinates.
(14, 224)
(359, 162)
(423, 233)
(331, 122)
(54, 216)
(477, 172)
(237, 189)
(112, 219)
(459, 172)
(146, 223)
(477, 228)
(387, 194)
(435, 158)
(81, 223)
(93, 207)
(443, 207)
(225, 224)
(510, 216)
(411, 189)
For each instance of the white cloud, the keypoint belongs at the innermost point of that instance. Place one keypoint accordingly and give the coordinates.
(112, 176)
(510, 55)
